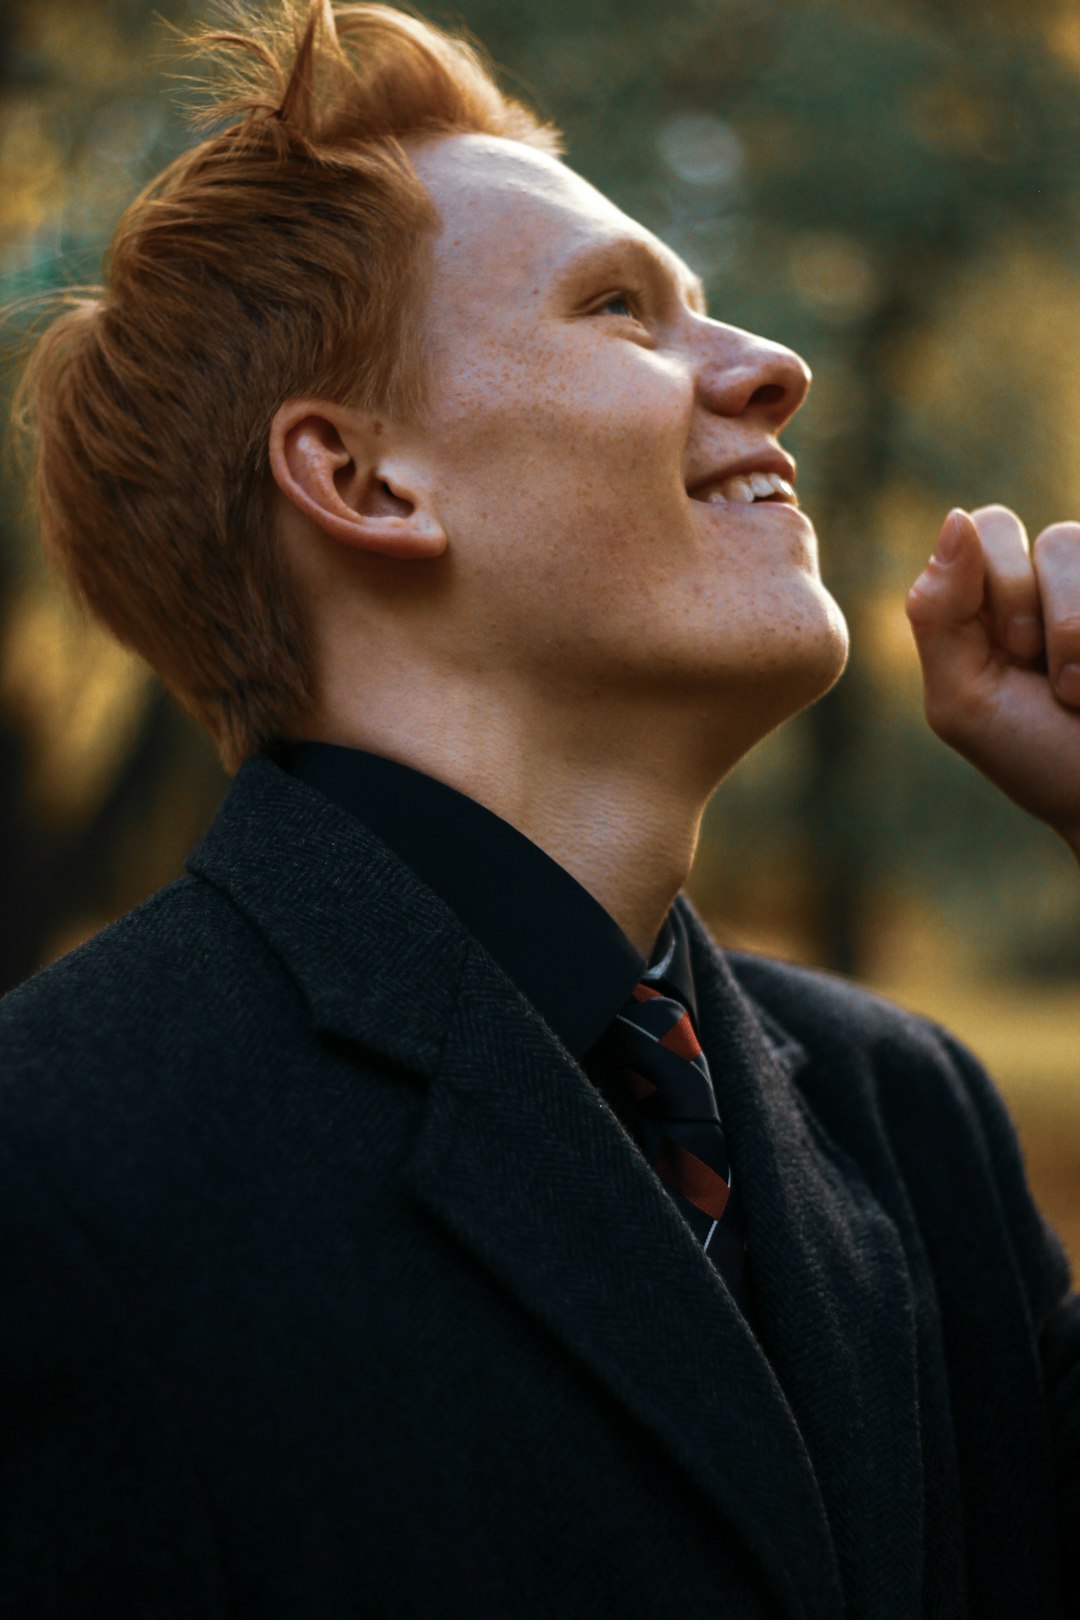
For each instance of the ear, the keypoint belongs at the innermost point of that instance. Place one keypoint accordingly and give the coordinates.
(337, 466)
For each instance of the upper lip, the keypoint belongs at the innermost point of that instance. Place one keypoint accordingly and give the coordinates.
(767, 460)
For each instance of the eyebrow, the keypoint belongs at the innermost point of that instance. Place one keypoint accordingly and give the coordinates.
(648, 258)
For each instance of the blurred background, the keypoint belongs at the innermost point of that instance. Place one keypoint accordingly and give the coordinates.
(894, 191)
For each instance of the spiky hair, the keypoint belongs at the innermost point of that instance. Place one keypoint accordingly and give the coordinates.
(281, 256)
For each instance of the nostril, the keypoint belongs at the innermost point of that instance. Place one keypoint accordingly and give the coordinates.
(767, 394)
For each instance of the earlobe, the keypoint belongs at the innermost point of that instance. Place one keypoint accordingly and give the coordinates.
(333, 466)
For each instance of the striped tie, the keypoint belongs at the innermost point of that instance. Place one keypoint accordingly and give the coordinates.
(658, 1059)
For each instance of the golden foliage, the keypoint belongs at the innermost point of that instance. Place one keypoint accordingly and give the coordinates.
(75, 696)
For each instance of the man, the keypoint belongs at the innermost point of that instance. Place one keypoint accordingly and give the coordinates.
(411, 1211)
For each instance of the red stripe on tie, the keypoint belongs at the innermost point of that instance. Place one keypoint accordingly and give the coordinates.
(680, 1038)
(639, 1084)
(644, 992)
(698, 1182)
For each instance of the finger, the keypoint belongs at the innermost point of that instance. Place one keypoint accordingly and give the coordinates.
(1012, 589)
(944, 609)
(1057, 565)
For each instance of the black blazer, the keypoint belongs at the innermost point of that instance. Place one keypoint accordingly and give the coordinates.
(331, 1287)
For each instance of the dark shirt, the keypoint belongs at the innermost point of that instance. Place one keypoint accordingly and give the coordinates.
(557, 943)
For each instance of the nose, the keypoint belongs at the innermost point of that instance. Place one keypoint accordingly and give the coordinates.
(742, 374)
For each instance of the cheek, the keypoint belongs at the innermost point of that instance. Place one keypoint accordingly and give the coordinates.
(563, 493)
(585, 427)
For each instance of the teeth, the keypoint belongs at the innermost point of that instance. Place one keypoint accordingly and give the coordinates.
(743, 489)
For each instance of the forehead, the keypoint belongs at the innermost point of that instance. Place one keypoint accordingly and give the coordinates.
(508, 210)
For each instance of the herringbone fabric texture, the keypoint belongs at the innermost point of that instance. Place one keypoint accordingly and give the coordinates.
(659, 1059)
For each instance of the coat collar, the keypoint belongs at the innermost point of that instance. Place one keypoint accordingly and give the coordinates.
(375, 953)
(520, 1157)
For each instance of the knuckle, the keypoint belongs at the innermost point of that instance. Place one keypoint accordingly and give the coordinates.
(995, 509)
(1000, 529)
(1058, 541)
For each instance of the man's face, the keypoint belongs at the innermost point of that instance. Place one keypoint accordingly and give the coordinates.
(579, 393)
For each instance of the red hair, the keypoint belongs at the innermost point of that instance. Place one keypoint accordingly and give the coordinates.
(282, 256)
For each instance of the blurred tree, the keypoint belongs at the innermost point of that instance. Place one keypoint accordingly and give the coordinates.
(19, 864)
(918, 145)
(106, 782)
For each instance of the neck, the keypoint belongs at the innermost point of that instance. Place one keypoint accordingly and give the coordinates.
(616, 800)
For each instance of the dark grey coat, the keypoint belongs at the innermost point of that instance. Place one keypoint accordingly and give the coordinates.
(331, 1286)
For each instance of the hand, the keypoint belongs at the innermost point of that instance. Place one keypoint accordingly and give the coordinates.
(998, 634)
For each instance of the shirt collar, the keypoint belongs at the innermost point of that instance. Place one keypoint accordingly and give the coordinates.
(562, 949)
(670, 966)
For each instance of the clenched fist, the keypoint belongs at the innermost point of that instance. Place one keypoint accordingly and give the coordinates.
(997, 626)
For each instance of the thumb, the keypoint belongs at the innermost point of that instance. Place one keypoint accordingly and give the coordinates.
(944, 609)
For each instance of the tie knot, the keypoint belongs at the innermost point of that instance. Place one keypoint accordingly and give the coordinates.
(654, 1046)
(663, 1018)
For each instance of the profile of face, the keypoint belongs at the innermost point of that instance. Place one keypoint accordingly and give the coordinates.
(584, 409)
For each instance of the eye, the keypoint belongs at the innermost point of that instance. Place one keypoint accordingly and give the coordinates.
(630, 300)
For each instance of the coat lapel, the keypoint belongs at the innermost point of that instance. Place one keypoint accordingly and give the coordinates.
(376, 955)
(833, 1298)
(522, 1160)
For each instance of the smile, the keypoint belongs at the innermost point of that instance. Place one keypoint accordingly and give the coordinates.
(745, 489)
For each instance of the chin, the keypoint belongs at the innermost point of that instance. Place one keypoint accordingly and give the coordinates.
(828, 655)
(796, 658)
